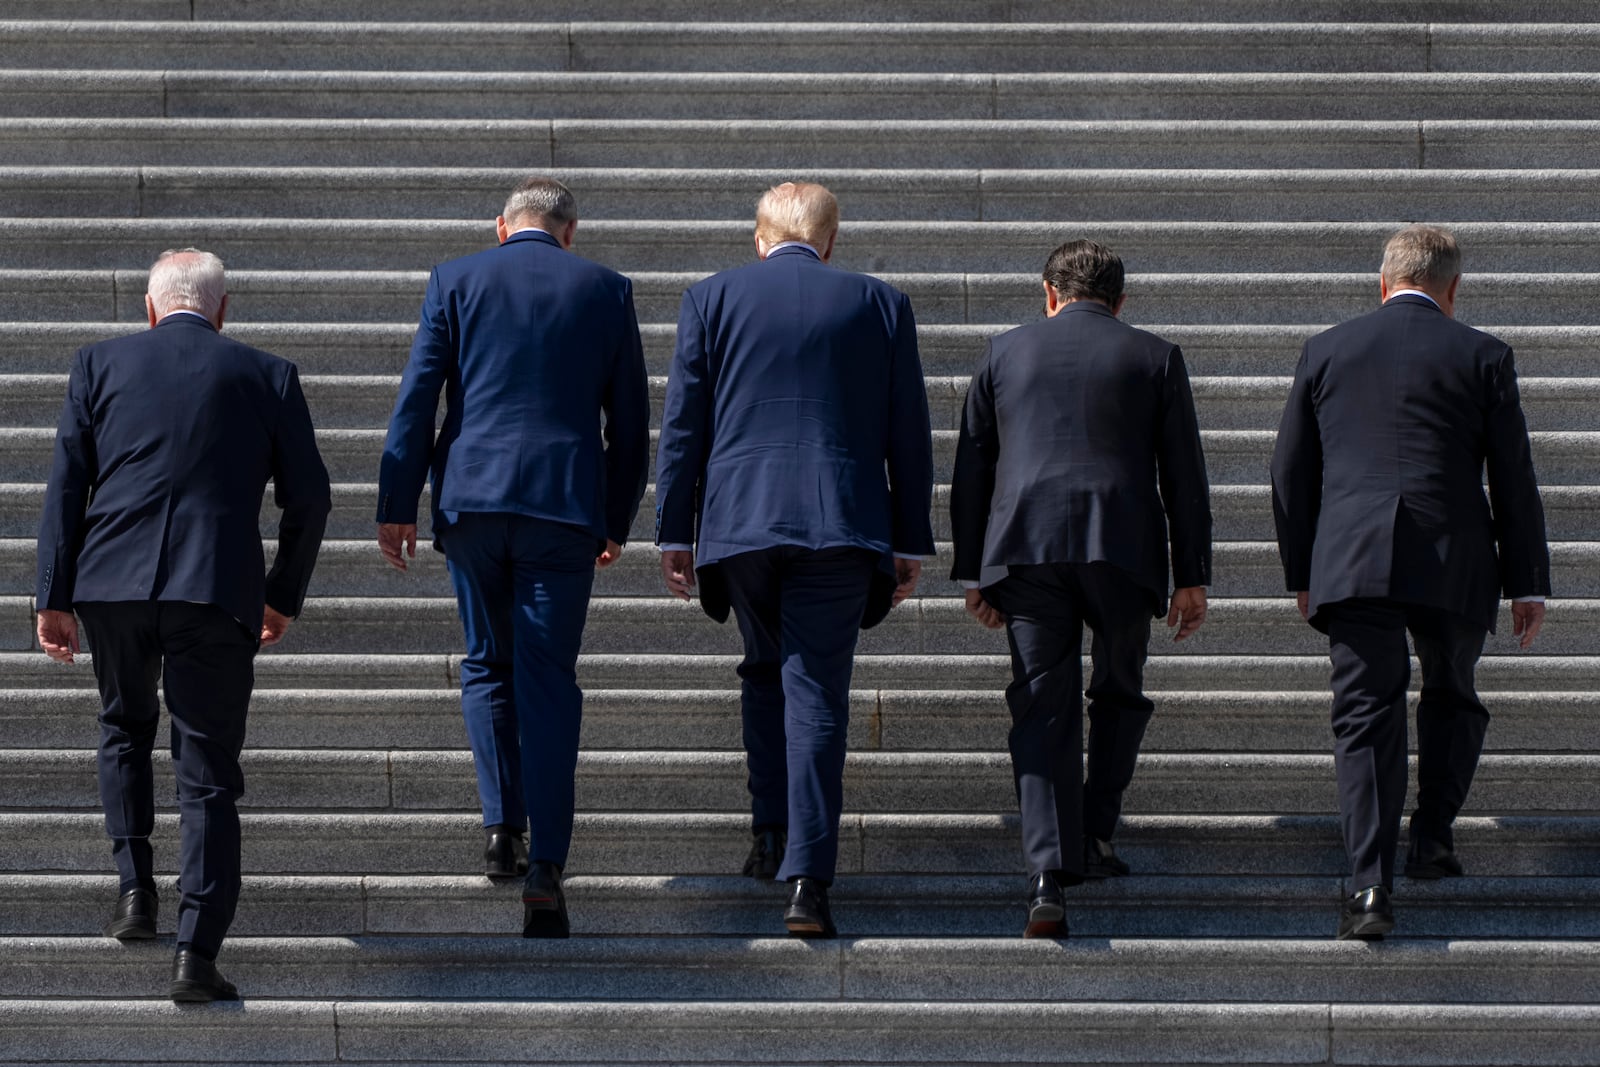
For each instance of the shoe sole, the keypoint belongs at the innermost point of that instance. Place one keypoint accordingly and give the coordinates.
(198, 993)
(130, 930)
(1427, 872)
(1368, 928)
(501, 872)
(542, 919)
(808, 928)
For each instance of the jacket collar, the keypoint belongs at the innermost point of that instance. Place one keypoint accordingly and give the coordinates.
(1090, 307)
(180, 319)
(532, 235)
(1413, 298)
(795, 250)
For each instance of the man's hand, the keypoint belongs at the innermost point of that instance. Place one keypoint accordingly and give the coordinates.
(395, 536)
(1526, 621)
(906, 574)
(609, 556)
(983, 611)
(1189, 609)
(1302, 600)
(677, 568)
(58, 635)
(274, 625)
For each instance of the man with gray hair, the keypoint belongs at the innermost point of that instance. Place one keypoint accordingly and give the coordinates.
(1384, 528)
(538, 347)
(150, 531)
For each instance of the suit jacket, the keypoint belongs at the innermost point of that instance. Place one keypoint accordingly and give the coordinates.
(1377, 477)
(531, 344)
(166, 441)
(796, 415)
(1079, 444)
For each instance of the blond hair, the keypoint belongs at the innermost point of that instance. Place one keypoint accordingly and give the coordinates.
(1421, 255)
(797, 211)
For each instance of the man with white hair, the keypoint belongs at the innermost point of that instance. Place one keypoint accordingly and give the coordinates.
(1384, 528)
(795, 445)
(150, 532)
(538, 347)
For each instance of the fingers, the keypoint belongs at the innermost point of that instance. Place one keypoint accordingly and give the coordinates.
(391, 552)
(1173, 615)
(609, 556)
(1529, 623)
(270, 637)
(411, 541)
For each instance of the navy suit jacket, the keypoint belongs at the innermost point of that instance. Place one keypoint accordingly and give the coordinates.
(166, 441)
(796, 414)
(1079, 444)
(531, 345)
(1377, 477)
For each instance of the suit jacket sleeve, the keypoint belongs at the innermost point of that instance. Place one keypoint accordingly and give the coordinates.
(972, 484)
(1297, 479)
(627, 409)
(1181, 473)
(910, 458)
(1514, 489)
(408, 449)
(685, 430)
(73, 472)
(301, 490)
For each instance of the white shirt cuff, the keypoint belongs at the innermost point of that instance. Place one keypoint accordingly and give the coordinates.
(968, 583)
(1529, 600)
(673, 546)
(907, 555)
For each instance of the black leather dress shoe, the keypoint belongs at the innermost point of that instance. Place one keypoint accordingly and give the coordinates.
(1366, 916)
(505, 853)
(1429, 861)
(807, 914)
(135, 916)
(1047, 908)
(1100, 860)
(544, 905)
(766, 855)
(196, 980)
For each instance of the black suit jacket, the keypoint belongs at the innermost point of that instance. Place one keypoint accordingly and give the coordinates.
(166, 441)
(1079, 444)
(1377, 478)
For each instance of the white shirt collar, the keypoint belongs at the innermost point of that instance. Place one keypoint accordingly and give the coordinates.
(794, 244)
(183, 311)
(1414, 292)
(532, 229)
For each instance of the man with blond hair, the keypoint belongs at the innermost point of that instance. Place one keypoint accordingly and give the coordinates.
(793, 485)
(151, 532)
(1384, 528)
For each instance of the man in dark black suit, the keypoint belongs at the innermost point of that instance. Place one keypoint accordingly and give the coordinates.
(1383, 527)
(151, 533)
(1079, 461)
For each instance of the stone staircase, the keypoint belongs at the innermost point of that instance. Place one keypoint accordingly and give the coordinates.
(1248, 169)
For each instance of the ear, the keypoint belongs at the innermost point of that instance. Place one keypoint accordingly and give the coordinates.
(222, 312)
(150, 310)
(1116, 308)
(1455, 283)
(761, 247)
(568, 232)
(826, 252)
(1383, 289)
(1052, 300)
(501, 230)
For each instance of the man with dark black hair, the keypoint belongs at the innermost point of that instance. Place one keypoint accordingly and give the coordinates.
(1079, 460)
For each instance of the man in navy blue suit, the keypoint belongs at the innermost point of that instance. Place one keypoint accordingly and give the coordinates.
(151, 532)
(534, 347)
(1377, 490)
(795, 450)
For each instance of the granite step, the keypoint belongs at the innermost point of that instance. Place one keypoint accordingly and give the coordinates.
(807, 143)
(314, 1032)
(1520, 299)
(911, 782)
(948, 349)
(867, 906)
(932, 626)
(470, 95)
(685, 843)
(901, 969)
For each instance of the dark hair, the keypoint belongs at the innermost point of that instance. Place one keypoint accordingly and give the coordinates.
(1080, 270)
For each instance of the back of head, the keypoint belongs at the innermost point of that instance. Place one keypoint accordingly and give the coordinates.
(542, 202)
(797, 211)
(1422, 257)
(187, 279)
(1085, 270)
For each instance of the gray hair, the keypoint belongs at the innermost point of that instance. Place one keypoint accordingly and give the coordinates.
(541, 199)
(1421, 255)
(187, 279)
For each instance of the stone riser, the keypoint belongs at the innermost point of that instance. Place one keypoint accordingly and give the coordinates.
(661, 781)
(696, 843)
(1542, 720)
(333, 94)
(896, 906)
(807, 144)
